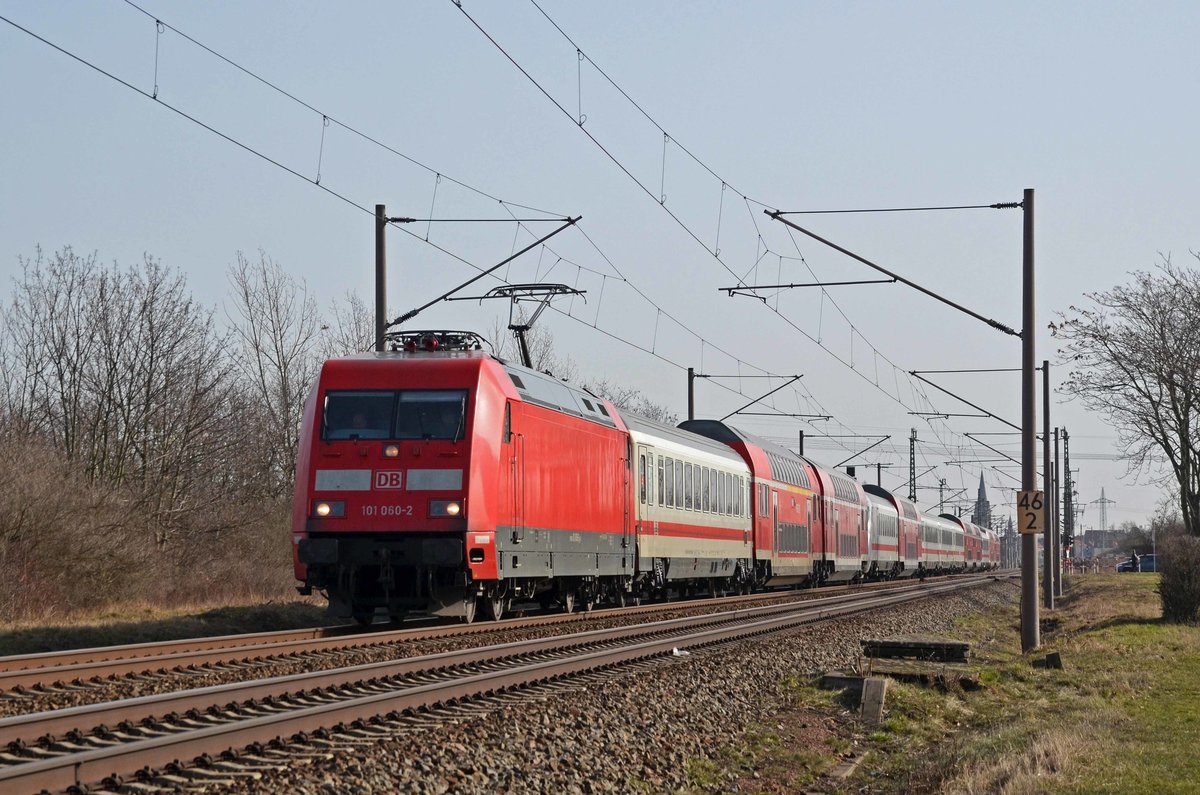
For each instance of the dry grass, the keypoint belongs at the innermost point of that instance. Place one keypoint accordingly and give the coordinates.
(1027, 767)
(146, 622)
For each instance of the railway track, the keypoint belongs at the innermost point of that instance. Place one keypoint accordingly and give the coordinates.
(84, 745)
(81, 669)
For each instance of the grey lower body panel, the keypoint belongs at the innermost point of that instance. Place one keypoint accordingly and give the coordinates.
(538, 553)
(692, 568)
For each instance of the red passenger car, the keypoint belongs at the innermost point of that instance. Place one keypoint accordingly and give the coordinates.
(810, 523)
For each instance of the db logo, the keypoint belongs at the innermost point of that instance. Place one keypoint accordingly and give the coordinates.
(388, 479)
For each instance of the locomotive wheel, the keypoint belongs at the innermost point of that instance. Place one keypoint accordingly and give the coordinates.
(469, 604)
(363, 618)
(620, 596)
(568, 602)
(496, 606)
(589, 602)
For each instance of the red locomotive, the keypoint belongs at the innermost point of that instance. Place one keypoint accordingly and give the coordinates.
(436, 477)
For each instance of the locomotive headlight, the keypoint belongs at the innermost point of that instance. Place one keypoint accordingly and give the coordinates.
(391, 451)
(329, 508)
(445, 508)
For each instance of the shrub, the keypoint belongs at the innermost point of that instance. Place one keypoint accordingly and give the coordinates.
(1179, 562)
(67, 545)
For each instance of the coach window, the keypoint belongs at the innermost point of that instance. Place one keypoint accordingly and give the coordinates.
(642, 477)
(661, 489)
(650, 478)
(687, 486)
(704, 495)
(670, 482)
(679, 484)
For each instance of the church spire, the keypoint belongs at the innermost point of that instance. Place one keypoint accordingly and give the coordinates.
(983, 509)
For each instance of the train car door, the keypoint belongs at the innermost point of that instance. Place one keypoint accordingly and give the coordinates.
(643, 508)
(831, 535)
(775, 523)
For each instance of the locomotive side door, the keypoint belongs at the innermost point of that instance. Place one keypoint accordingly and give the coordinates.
(516, 473)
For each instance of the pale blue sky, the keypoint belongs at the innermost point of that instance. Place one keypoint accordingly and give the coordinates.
(794, 105)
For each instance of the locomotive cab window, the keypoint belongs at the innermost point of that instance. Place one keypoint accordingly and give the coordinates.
(431, 414)
(409, 414)
(358, 415)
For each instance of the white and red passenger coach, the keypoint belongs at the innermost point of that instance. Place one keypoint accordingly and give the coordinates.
(436, 477)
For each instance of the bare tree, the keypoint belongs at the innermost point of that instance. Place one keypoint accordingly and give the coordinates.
(275, 325)
(48, 344)
(633, 400)
(1135, 358)
(122, 374)
(349, 329)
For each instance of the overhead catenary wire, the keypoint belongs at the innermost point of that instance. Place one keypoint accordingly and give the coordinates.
(667, 137)
(507, 205)
(332, 119)
(504, 204)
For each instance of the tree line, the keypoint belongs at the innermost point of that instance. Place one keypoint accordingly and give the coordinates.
(148, 440)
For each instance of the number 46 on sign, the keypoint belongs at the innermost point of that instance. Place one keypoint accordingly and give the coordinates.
(1031, 512)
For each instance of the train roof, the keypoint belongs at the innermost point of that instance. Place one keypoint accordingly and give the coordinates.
(652, 428)
(906, 507)
(785, 465)
(546, 390)
(882, 502)
(970, 527)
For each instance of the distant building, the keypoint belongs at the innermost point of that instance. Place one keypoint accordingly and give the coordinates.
(1099, 542)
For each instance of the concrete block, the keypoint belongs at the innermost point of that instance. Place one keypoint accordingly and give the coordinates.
(873, 694)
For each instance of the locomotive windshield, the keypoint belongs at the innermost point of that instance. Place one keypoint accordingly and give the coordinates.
(408, 414)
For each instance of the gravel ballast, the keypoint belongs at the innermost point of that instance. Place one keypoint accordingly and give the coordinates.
(633, 730)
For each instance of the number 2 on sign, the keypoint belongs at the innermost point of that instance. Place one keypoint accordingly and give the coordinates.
(1031, 506)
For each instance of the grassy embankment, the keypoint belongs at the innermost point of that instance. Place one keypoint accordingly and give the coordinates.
(1124, 715)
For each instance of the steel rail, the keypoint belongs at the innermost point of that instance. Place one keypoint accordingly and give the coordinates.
(345, 631)
(93, 765)
(34, 660)
(25, 671)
